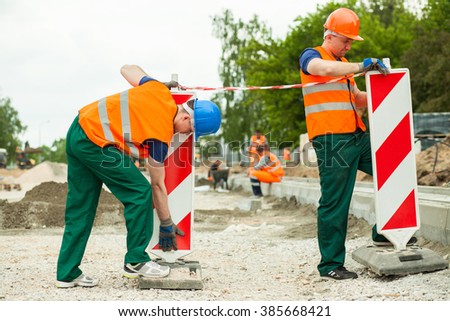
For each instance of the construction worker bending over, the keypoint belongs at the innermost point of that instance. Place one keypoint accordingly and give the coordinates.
(103, 138)
(267, 170)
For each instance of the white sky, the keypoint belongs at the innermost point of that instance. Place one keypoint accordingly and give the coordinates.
(57, 56)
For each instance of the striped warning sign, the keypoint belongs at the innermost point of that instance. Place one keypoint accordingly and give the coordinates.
(179, 181)
(394, 164)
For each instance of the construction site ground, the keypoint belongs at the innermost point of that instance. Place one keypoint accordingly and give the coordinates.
(265, 255)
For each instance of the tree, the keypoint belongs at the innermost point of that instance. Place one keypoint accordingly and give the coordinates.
(390, 28)
(55, 153)
(385, 26)
(241, 110)
(10, 126)
(428, 59)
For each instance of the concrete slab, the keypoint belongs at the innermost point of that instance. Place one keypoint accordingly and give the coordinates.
(251, 204)
(184, 275)
(388, 261)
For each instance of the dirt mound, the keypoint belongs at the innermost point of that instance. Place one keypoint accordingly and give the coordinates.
(433, 164)
(44, 205)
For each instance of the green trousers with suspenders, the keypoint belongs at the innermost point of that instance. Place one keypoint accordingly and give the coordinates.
(339, 157)
(89, 166)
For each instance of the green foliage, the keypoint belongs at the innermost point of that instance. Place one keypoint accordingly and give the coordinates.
(428, 59)
(58, 151)
(411, 38)
(240, 109)
(10, 127)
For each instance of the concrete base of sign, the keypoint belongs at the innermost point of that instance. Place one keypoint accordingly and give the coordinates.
(388, 261)
(184, 275)
(252, 204)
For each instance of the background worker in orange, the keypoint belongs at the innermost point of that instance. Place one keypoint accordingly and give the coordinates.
(287, 154)
(255, 140)
(138, 122)
(338, 134)
(267, 170)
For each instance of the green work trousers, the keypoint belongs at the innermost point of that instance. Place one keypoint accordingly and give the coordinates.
(339, 157)
(89, 166)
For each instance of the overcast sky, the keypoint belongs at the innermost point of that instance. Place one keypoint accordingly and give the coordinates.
(57, 56)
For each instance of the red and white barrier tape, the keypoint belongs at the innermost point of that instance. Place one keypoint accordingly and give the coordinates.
(269, 87)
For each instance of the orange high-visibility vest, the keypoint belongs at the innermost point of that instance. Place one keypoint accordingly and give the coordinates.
(275, 167)
(269, 174)
(129, 118)
(329, 108)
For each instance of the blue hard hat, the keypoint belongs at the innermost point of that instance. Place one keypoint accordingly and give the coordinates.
(207, 118)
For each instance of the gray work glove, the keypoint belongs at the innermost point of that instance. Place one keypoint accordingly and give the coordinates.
(369, 64)
(171, 84)
(168, 235)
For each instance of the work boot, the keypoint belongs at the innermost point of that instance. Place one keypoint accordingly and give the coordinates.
(380, 240)
(341, 273)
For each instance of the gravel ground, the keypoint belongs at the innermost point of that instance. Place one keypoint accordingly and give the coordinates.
(268, 255)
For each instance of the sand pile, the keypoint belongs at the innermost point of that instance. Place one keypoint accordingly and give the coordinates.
(44, 172)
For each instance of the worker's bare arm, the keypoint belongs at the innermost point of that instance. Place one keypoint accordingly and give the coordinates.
(160, 200)
(360, 97)
(133, 74)
(321, 67)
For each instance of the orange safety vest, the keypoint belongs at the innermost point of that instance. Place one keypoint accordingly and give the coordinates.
(269, 174)
(329, 108)
(275, 168)
(286, 154)
(129, 118)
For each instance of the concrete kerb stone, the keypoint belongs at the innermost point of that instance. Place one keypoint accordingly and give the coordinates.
(434, 203)
(251, 205)
(435, 221)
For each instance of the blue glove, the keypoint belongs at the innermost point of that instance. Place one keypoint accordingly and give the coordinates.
(369, 64)
(168, 235)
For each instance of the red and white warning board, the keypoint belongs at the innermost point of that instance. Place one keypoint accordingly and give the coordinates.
(179, 181)
(394, 163)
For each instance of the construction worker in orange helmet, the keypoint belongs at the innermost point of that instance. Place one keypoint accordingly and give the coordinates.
(338, 134)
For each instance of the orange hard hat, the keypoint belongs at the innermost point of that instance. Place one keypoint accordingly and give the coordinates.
(344, 22)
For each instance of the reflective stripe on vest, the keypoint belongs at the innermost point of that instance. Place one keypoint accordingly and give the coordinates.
(126, 124)
(126, 128)
(129, 118)
(326, 87)
(103, 114)
(329, 108)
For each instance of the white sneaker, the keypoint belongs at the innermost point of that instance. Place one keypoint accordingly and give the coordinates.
(82, 280)
(148, 270)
